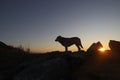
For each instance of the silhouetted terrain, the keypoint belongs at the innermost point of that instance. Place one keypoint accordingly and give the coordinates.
(16, 64)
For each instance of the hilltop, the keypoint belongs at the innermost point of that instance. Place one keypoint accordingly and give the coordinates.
(16, 64)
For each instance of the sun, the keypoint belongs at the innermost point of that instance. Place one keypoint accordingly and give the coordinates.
(102, 49)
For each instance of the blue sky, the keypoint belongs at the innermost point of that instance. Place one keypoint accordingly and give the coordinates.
(36, 23)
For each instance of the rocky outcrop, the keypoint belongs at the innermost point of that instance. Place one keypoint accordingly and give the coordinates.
(2, 44)
(94, 48)
(114, 45)
(4, 48)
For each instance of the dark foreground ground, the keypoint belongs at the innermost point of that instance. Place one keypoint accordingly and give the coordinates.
(16, 64)
(59, 66)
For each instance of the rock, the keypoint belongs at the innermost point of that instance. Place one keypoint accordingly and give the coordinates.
(94, 48)
(114, 45)
(2, 44)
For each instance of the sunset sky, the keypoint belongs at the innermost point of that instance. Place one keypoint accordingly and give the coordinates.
(36, 23)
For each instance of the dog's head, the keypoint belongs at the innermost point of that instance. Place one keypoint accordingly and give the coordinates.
(58, 38)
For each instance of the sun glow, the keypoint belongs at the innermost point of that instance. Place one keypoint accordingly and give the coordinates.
(102, 49)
